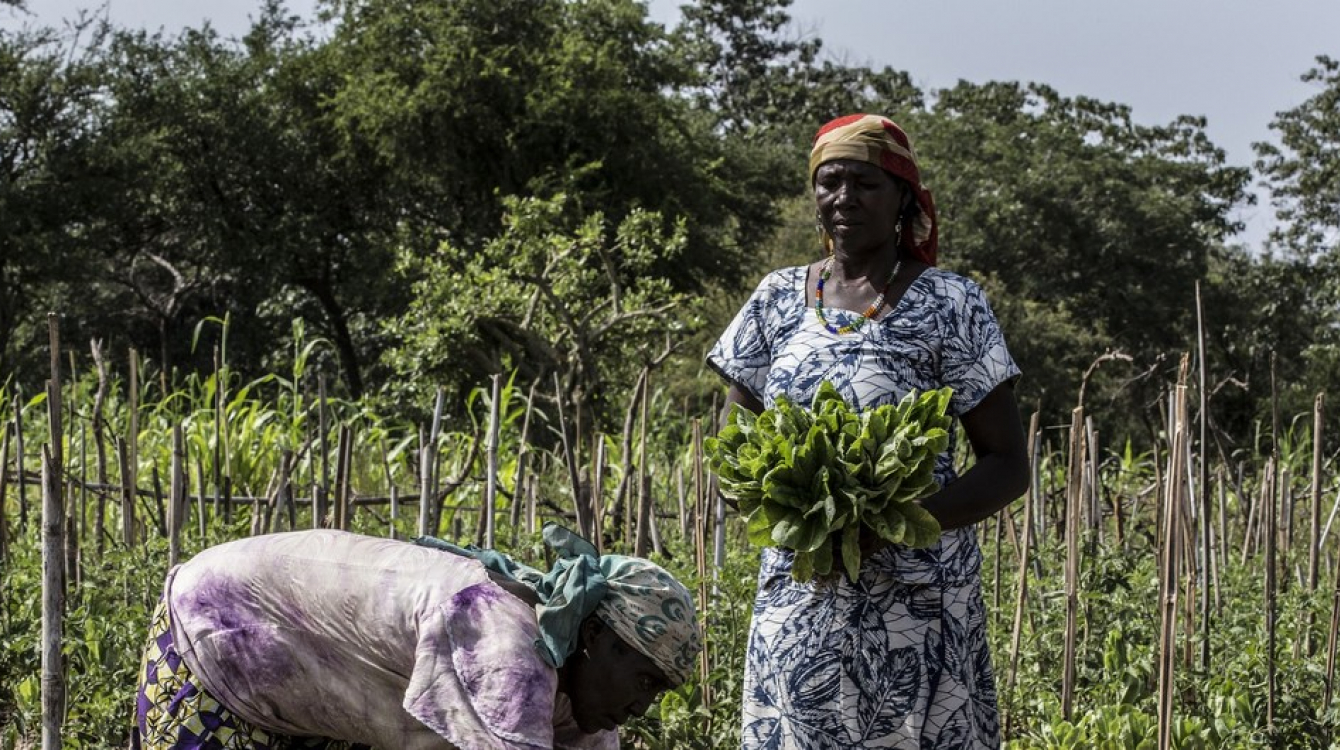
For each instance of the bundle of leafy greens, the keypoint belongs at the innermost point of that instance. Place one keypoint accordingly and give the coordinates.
(810, 480)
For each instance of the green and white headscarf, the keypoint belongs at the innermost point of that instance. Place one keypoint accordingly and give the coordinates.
(638, 599)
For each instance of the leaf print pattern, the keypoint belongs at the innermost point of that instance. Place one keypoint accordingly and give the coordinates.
(899, 658)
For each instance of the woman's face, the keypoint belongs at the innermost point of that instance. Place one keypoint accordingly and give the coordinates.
(859, 204)
(610, 682)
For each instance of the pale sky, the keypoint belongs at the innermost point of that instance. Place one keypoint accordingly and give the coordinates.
(1235, 62)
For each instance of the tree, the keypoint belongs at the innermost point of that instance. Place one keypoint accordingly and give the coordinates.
(552, 295)
(1303, 174)
(1099, 224)
(49, 115)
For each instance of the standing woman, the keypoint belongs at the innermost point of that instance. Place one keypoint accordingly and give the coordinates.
(899, 658)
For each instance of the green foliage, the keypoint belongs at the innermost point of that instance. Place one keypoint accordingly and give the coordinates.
(813, 480)
(554, 294)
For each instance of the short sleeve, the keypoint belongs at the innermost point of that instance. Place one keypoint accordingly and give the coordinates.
(478, 680)
(743, 353)
(975, 359)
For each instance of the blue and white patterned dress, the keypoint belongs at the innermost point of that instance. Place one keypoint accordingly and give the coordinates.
(898, 659)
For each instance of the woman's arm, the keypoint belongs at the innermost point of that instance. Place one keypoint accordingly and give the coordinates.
(738, 395)
(999, 475)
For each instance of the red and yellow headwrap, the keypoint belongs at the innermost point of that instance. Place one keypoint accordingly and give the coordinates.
(877, 140)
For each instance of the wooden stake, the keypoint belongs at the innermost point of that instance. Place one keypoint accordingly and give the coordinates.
(176, 498)
(18, 464)
(1314, 539)
(1021, 587)
(53, 602)
(643, 496)
(1168, 579)
(1074, 497)
(584, 525)
(491, 459)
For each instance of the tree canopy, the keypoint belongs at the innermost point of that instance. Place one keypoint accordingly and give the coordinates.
(554, 187)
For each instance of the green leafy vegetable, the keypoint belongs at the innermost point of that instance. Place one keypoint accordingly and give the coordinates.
(812, 479)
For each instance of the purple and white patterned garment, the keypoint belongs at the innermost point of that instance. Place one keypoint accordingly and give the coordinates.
(898, 659)
(332, 634)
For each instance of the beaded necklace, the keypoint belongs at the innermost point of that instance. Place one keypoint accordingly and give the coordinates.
(869, 313)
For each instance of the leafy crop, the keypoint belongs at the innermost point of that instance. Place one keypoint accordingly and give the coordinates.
(813, 480)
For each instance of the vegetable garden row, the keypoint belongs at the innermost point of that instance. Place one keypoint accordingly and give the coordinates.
(1167, 596)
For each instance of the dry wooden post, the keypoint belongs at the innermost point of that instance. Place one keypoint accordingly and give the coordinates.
(643, 496)
(133, 439)
(598, 492)
(391, 491)
(18, 464)
(1221, 483)
(491, 458)
(1021, 586)
(4, 481)
(177, 497)
(99, 444)
(1333, 639)
(1073, 498)
(1202, 480)
(53, 602)
(522, 454)
(680, 494)
(584, 526)
(1314, 539)
(435, 463)
(1268, 500)
(342, 478)
(700, 556)
(158, 501)
(531, 491)
(287, 504)
(429, 518)
(200, 513)
(322, 491)
(1168, 579)
(127, 493)
(622, 508)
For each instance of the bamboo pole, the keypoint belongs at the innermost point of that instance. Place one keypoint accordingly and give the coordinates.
(392, 491)
(1332, 640)
(622, 508)
(522, 455)
(133, 439)
(4, 480)
(1203, 479)
(1168, 579)
(1074, 495)
(53, 603)
(429, 518)
(584, 526)
(176, 499)
(18, 464)
(700, 556)
(322, 491)
(491, 458)
(342, 470)
(1021, 588)
(1268, 499)
(202, 528)
(598, 491)
(643, 496)
(1314, 538)
(99, 443)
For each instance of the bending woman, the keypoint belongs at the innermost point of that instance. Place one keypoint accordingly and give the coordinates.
(331, 639)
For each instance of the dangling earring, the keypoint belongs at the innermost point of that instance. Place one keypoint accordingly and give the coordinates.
(824, 238)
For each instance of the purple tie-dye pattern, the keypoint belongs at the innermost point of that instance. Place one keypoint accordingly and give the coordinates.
(334, 634)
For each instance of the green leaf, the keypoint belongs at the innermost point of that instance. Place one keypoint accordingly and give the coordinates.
(922, 530)
(851, 551)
